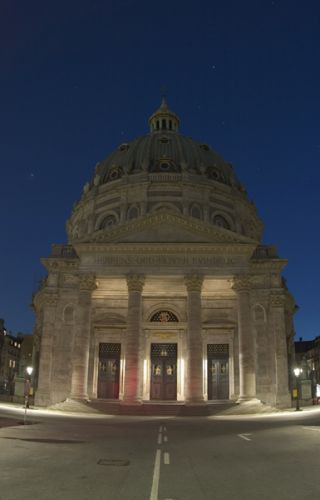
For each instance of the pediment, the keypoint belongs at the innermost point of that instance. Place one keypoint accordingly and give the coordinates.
(168, 227)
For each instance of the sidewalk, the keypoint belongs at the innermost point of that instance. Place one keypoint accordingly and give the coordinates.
(80, 410)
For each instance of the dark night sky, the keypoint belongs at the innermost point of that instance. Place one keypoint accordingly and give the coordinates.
(80, 77)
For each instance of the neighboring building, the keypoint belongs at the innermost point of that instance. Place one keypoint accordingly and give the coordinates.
(10, 348)
(26, 354)
(307, 356)
(164, 290)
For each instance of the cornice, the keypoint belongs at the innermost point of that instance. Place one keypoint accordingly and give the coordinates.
(268, 265)
(59, 264)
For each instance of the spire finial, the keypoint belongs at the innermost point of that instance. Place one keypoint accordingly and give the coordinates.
(164, 118)
(164, 97)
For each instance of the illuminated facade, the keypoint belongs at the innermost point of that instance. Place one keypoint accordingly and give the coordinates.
(164, 291)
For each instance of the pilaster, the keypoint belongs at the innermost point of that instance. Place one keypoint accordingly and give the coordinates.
(48, 303)
(247, 354)
(277, 307)
(79, 380)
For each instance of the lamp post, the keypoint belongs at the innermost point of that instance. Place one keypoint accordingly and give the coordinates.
(297, 372)
(27, 384)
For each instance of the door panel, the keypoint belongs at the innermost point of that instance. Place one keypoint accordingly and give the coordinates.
(163, 372)
(218, 371)
(109, 371)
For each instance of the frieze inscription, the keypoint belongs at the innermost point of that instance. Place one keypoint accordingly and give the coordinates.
(160, 260)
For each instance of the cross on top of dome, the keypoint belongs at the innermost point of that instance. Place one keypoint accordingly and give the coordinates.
(164, 119)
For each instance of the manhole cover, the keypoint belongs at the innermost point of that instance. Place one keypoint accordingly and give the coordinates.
(114, 462)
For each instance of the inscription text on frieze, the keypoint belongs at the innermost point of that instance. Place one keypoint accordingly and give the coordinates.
(160, 260)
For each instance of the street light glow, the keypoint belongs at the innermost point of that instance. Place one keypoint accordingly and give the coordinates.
(29, 370)
(297, 371)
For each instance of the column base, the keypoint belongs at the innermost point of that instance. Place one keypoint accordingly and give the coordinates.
(42, 398)
(80, 398)
(283, 400)
(248, 400)
(131, 402)
(196, 402)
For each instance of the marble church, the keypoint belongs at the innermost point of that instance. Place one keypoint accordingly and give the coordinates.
(164, 291)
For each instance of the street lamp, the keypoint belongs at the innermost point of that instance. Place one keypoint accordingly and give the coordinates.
(297, 372)
(27, 385)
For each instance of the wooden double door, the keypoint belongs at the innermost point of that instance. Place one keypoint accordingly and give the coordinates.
(218, 371)
(163, 372)
(109, 371)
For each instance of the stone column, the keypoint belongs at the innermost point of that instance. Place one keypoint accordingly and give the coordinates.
(81, 344)
(247, 347)
(277, 302)
(48, 304)
(132, 364)
(195, 349)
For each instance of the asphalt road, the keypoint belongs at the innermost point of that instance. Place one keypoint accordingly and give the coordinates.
(133, 458)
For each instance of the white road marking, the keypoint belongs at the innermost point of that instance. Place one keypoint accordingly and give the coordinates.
(165, 439)
(165, 429)
(245, 436)
(166, 458)
(156, 476)
(160, 428)
(311, 429)
(160, 438)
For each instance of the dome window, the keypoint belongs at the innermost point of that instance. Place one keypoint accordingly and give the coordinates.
(158, 126)
(124, 147)
(196, 212)
(170, 124)
(164, 124)
(220, 221)
(109, 221)
(164, 140)
(133, 212)
(164, 167)
(114, 174)
(213, 174)
(205, 147)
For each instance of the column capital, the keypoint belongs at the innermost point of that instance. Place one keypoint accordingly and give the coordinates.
(277, 299)
(135, 282)
(50, 299)
(242, 283)
(87, 282)
(193, 282)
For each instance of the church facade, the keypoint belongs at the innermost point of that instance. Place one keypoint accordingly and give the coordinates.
(164, 291)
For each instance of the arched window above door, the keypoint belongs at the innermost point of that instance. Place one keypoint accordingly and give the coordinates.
(164, 317)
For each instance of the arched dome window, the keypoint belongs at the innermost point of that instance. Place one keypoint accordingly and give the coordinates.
(108, 221)
(133, 212)
(220, 221)
(196, 211)
(114, 174)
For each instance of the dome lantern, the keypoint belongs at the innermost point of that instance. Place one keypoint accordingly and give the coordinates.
(164, 119)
